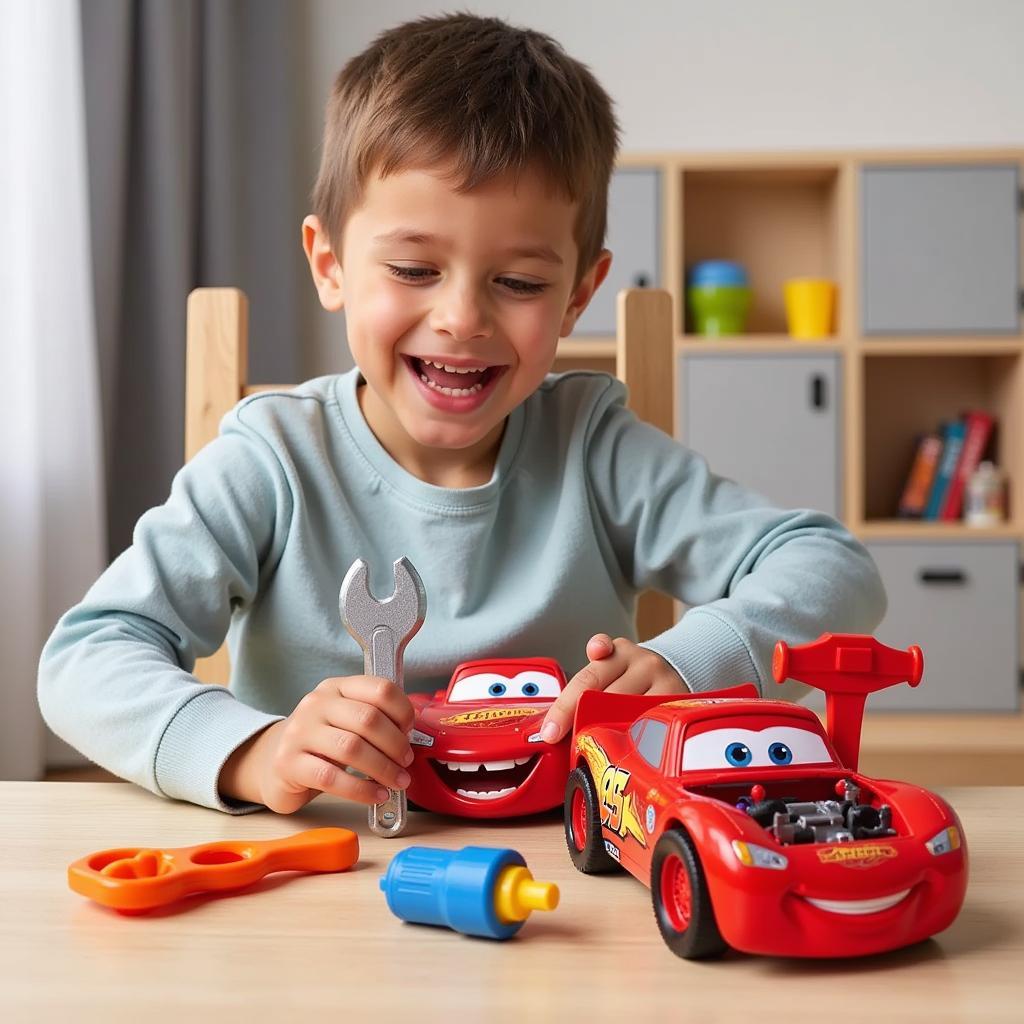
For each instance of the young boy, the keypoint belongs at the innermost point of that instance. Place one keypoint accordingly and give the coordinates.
(459, 221)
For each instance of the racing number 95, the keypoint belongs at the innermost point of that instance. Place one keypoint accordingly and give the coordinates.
(613, 783)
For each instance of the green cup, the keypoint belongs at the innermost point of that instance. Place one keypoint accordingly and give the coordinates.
(718, 297)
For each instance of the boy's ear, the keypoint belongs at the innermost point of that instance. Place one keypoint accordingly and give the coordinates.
(584, 292)
(323, 264)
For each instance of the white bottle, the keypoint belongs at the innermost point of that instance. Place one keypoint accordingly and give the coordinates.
(984, 504)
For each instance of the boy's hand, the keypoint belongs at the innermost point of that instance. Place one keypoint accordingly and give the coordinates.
(360, 722)
(618, 665)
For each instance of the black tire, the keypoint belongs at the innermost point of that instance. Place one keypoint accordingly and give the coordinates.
(682, 904)
(581, 815)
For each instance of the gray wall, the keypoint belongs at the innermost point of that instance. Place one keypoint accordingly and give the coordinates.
(742, 75)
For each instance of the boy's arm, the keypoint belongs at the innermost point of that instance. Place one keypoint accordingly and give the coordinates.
(115, 676)
(751, 572)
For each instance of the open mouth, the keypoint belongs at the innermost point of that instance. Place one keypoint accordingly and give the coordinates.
(873, 906)
(485, 780)
(454, 382)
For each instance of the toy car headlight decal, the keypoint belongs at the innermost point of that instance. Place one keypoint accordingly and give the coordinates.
(945, 842)
(535, 738)
(420, 739)
(754, 856)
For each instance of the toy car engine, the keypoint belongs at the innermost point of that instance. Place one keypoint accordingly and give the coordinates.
(822, 821)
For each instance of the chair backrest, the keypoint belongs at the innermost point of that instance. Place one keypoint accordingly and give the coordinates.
(216, 379)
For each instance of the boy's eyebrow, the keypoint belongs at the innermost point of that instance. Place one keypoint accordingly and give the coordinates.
(540, 252)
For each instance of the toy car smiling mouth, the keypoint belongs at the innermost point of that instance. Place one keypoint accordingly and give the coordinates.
(478, 751)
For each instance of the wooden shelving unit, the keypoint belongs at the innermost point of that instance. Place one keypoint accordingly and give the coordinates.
(805, 214)
(784, 214)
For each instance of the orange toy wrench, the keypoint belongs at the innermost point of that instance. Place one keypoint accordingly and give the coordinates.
(135, 880)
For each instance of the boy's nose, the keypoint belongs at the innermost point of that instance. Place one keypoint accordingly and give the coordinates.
(462, 314)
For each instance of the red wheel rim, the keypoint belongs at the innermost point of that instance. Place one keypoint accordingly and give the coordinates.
(676, 895)
(579, 820)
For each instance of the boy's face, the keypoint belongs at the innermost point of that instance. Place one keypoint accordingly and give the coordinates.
(480, 283)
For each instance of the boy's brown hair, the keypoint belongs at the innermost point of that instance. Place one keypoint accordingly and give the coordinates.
(489, 97)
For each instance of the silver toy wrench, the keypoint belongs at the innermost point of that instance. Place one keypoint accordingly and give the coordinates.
(383, 629)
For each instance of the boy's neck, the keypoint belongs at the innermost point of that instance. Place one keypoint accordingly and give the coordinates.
(441, 467)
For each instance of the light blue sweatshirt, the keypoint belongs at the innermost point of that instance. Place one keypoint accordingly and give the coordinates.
(586, 507)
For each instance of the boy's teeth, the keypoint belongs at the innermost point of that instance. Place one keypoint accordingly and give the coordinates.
(456, 369)
(450, 391)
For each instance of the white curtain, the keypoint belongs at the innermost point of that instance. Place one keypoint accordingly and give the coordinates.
(51, 506)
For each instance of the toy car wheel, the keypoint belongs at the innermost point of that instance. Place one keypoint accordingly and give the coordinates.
(682, 904)
(582, 817)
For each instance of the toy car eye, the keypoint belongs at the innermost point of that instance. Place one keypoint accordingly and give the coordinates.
(530, 689)
(738, 754)
(780, 753)
(497, 689)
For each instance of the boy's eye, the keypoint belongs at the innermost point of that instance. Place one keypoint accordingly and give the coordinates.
(418, 274)
(522, 287)
(410, 273)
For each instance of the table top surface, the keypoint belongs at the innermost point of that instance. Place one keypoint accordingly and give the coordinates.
(327, 944)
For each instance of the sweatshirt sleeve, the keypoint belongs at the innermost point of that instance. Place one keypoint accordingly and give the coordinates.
(115, 675)
(751, 573)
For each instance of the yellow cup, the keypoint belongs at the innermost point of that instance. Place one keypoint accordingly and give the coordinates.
(810, 307)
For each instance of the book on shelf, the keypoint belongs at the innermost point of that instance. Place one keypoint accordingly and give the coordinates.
(953, 433)
(914, 499)
(977, 431)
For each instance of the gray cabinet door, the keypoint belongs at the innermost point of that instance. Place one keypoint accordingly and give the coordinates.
(769, 422)
(940, 249)
(958, 603)
(634, 237)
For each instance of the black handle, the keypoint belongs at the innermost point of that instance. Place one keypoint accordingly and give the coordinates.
(640, 280)
(818, 397)
(943, 577)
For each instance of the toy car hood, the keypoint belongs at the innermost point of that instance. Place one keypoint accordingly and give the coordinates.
(476, 724)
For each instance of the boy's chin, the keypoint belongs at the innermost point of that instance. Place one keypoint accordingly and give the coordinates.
(453, 438)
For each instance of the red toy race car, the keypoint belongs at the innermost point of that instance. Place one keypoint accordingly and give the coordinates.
(477, 745)
(751, 823)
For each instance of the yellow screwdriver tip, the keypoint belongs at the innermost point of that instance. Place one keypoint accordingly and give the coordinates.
(517, 894)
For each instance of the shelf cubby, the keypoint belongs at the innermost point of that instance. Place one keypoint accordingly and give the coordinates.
(777, 221)
(906, 396)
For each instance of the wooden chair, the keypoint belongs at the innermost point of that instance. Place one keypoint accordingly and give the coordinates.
(216, 378)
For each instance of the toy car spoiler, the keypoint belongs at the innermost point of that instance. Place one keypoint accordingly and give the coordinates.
(598, 707)
(846, 667)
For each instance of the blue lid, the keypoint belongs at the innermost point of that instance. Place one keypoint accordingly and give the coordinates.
(720, 272)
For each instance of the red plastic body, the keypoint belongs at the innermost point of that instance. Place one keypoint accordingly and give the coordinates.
(769, 910)
(490, 730)
(846, 668)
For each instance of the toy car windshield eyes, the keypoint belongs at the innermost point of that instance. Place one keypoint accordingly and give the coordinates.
(750, 822)
(492, 686)
(745, 748)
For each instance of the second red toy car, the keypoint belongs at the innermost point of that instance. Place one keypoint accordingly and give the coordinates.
(750, 822)
(478, 751)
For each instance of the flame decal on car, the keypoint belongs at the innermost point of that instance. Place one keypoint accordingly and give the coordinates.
(618, 807)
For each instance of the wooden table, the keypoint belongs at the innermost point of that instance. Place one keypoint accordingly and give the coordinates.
(325, 948)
